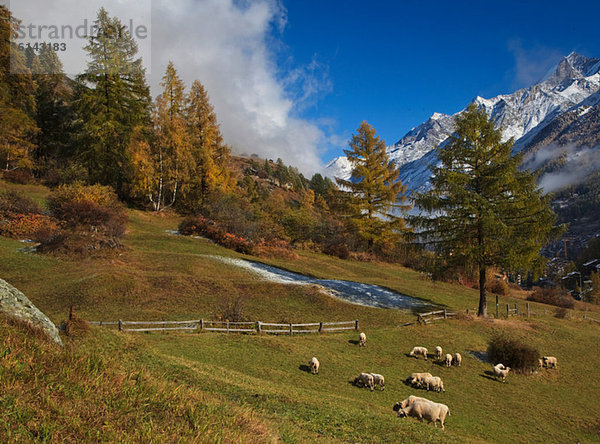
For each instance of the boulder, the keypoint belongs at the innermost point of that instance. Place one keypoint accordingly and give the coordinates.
(16, 305)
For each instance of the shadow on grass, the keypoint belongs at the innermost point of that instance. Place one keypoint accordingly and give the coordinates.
(488, 374)
(354, 341)
(305, 368)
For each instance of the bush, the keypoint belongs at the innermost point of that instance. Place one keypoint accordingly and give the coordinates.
(21, 177)
(22, 226)
(12, 203)
(101, 195)
(276, 249)
(552, 296)
(232, 309)
(497, 286)
(337, 249)
(201, 226)
(513, 353)
(560, 313)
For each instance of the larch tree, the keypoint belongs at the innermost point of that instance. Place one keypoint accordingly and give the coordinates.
(166, 164)
(18, 130)
(113, 100)
(482, 211)
(210, 153)
(376, 195)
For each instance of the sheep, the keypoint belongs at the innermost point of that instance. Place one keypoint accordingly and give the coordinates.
(457, 359)
(408, 401)
(378, 380)
(501, 371)
(365, 380)
(448, 360)
(362, 340)
(416, 379)
(431, 411)
(314, 365)
(416, 351)
(434, 383)
(438, 352)
(540, 363)
(550, 361)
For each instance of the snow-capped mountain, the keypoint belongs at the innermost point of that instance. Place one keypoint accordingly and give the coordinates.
(561, 108)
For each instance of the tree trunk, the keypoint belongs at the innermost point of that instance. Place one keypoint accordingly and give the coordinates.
(482, 296)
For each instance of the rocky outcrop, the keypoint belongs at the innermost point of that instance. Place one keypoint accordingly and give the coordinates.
(16, 305)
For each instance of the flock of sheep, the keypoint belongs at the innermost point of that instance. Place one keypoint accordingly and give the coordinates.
(415, 406)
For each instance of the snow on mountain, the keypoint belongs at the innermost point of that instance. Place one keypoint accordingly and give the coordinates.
(573, 85)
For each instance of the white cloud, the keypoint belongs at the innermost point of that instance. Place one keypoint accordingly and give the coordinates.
(531, 64)
(226, 45)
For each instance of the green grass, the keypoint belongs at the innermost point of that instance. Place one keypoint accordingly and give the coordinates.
(254, 386)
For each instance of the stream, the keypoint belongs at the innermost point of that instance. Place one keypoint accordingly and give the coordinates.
(353, 292)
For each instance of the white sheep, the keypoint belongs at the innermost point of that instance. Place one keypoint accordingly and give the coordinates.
(550, 361)
(378, 380)
(540, 363)
(457, 359)
(314, 365)
(501, 371)
(408, 401)
(431, 411)
(434, 383)
(419, 351)
(362, 340)
(448, 359)
(438, 352)
(416, 379)
(365, 380)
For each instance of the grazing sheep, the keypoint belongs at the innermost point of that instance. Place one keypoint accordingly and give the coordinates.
(550, 361)
(314, 365)
(419, 351)
(431, 411)
(362, 340)
(365, 380)
(438, 352)
(408, 401)
(540, 363)
(434, 383)
(378, 380)
(448, 360)
(501, 371)
(416, 379)
(457, 359)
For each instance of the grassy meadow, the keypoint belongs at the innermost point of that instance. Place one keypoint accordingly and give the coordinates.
(107, 386)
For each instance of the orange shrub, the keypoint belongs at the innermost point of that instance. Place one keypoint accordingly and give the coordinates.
(22, 226)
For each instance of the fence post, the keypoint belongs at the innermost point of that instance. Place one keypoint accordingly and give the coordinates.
(201, 324)
(528, 313)
(467, 311)
(516, 309)
(507, 311)
(227, 326)
(291, 329)
(71, 313)
(120, 325)
(258, 327)
(445, 315)
(497, 308)
(320, 327)
(164, 326)
(356, 325)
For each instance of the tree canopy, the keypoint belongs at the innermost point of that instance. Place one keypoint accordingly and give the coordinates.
(482, 210)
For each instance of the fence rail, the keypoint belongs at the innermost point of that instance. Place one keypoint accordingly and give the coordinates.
(232, 327)
(432, 316)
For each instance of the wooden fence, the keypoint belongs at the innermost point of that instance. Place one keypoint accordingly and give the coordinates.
(232, 327)
(430, 317)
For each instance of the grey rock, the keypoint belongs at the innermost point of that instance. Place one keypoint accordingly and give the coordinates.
(16, 305)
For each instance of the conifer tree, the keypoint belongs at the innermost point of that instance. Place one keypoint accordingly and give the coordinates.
(114, 100)
(54, 110)
(210, 153)
(374, 190)
(482, 211)
(17, 101)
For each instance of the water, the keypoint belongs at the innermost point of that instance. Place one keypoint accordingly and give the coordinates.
(353, 292)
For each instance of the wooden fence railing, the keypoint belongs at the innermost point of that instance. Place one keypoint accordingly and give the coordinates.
(232, 327)
(428, 318)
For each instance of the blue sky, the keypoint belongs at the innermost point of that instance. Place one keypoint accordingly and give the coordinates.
(393, 63)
